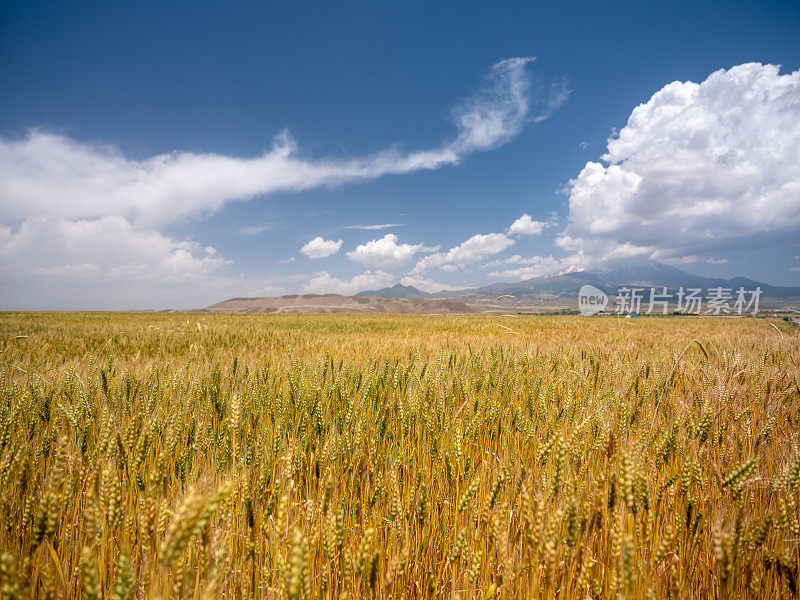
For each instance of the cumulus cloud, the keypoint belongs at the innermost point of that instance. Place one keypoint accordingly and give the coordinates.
(698, 169)
(324, 283)
(386, 253)
(471, 251)
(109, 263)
(481, 246)
(108, 247)
(321, 248)
(525, 225)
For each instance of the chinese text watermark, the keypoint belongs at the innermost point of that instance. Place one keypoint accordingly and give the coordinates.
(687, 301)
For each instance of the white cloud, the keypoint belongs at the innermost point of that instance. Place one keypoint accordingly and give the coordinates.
(324, 283)
(694, 258)
(481, 246)
(109, 263)
(50, 174)
(321, 248)
(374, 227)
(289, 260)
(515, 259)
(386, 253)
(471, 251)
(74, 183)
(501, 108)
(81, 271)
(427, 285)
(109, 247)
(698, 169)
(255, 229)
(525, 225)
(535, 266)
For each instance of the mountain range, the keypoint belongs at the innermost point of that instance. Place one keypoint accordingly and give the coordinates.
(566, 285)
(396, 291)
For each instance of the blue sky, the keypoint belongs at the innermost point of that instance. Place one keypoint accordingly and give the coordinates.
(102, 88)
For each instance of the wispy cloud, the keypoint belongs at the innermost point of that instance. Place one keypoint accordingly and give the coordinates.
(373, 227)
(75, 185)
(255, 229)
(516, 259)
(534, 266)
(50, 174)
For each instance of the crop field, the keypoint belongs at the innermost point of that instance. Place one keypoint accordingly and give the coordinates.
(341, 456)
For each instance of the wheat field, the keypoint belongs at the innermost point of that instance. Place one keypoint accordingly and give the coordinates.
(336, 456)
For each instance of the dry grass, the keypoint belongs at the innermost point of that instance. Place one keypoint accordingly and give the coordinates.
(397, 456)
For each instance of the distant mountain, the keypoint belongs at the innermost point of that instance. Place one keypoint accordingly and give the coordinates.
(550, 286)
(654, 275)
(566, 285)
(396, 291)
(334, 303)
(657, 275)
(556, 288)
(771, 291)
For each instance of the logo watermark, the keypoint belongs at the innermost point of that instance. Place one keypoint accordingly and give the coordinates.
(591, 300)
(633, 301)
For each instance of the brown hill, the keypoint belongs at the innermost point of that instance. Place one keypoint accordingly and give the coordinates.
(334, 303)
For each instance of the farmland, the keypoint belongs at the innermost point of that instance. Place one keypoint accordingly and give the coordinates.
(377, 456)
